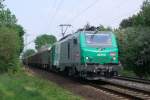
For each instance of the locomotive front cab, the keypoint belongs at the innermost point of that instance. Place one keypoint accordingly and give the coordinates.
(99, 53)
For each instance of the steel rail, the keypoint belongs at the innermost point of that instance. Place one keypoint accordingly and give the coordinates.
(139, 80)
(123, 91)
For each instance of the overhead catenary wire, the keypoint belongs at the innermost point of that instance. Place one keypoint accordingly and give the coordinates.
(54, 3)
(83, 11)
(32, 41)
(56, 11)
(73, 18)
(114, 19)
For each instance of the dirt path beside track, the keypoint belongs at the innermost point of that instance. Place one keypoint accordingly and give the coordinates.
(83, 90)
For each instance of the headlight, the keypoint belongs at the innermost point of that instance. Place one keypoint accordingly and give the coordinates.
(49, 48)
(113, 54)
(87, 58)
(114, 58)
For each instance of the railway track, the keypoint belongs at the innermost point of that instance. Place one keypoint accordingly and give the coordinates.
(130, 88)
(127, 93)
(139, 80)
(121, 89)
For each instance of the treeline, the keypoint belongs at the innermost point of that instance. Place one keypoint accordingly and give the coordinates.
(11, 40)
(140, 19)
(41, 42)
(134, 41)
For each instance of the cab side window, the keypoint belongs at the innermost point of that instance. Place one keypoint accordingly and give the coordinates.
(75, 41)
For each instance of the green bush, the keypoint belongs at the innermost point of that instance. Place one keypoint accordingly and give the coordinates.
(134, 46)
(9, 49)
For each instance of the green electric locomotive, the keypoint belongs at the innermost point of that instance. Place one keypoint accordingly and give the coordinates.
(86, 54)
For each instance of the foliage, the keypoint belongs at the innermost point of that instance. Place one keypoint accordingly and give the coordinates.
(21, 33)
(127, 73)
(28, 52)
(140, 19)
(6, 17)
(9, 48)
(134, 40)
(146, 12)
(1, 4)
(102, 28)
(25, 86)
(126, 23)
(135, 49)
(11, 40)
(44, 40)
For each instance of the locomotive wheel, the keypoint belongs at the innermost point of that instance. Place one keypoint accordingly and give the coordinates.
(115, 73)
(71, 71)
(107, 74)
(65, 72)
(82, 74)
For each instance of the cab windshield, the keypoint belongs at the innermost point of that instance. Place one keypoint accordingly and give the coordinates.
(103, 40)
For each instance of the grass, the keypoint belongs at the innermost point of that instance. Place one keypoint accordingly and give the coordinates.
(130, 73)
(23, 86)
(127, 73)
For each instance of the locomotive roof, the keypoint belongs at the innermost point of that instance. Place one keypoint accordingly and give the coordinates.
(65, 37)
(38, 52)
(90, 32)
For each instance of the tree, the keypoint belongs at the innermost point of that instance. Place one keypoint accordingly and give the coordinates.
(146, 12)
(7, 19)
(19, 29)
(135, 49)
(43, 40)
(102, 28)
(9, 48)
(28, 52)
(140, 19)
(11, 40)
(1, 4)
(126, 23)
(134, 39)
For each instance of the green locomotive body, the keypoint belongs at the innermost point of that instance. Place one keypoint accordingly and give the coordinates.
(86, 54)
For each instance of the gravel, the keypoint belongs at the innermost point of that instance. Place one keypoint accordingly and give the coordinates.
(132, 84)
(85, 91)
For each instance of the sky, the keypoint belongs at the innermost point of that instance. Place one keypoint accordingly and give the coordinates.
(44, 16)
